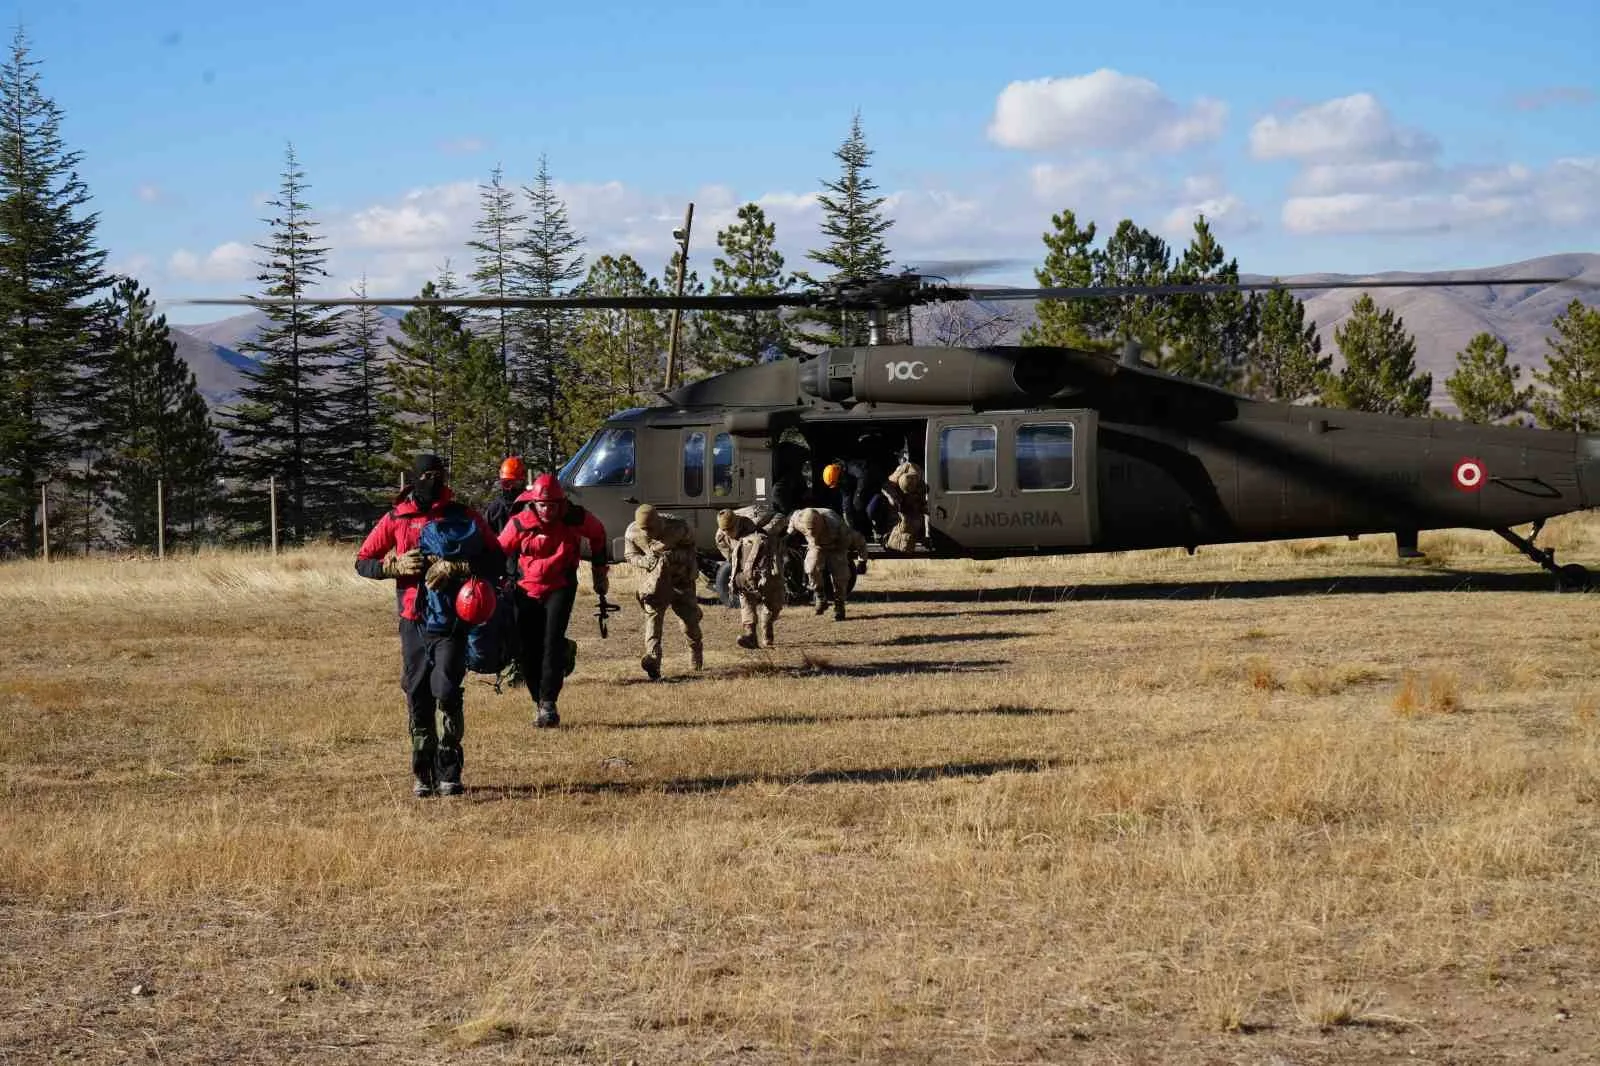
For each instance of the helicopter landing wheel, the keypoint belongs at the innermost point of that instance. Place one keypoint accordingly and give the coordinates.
(1573, 578)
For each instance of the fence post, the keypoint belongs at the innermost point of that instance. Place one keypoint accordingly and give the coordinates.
(161, 522)
(272, 494)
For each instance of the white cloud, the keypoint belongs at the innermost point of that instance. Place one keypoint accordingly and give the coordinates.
(232, 261)
(149, 194)
(1387, 175)
(463, 145)
(1103, 110)
(1350, 129)
(1226, 215)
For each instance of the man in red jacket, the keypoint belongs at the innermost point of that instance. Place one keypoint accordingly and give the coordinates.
(545, 541)
(433, 664)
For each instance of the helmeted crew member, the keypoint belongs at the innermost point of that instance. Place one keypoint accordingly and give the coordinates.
(545, 541)
(830, 546)
(789, 489)
(907, 492)
(751, 540)
(513, 483)
(433, 665)
(662, 547)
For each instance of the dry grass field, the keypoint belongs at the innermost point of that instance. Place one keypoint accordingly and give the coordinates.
(1298, 803)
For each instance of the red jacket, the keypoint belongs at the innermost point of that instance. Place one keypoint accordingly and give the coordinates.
(401, 529)
(547, 552)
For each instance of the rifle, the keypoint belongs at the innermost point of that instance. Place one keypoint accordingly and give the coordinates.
(602, 611)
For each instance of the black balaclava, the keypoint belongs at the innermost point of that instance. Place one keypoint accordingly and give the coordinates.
(427, 479)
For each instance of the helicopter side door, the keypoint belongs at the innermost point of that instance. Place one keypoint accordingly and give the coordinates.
(709, 477)
(1009, 480)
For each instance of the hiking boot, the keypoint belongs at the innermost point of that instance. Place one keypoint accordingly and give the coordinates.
(422, 788)
(822, 606)
(697, 658)
(652, 667)
(547, 718)
(838, 612)
(767, 639)
(747, 639)
(449, 788)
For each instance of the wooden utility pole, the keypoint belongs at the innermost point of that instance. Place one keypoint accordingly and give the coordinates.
(272, 495)
(44, 517)
(161, 522)
(682, 237)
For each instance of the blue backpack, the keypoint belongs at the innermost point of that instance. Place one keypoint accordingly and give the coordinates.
(492, 645)
(454, 536)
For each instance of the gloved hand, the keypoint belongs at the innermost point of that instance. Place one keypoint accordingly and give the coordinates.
(443, 571)
(651, 562)
(406, 565)
(602, 582)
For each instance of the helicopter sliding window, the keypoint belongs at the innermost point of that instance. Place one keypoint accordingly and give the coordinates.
(609, 461)
(694, 464)
(967, 458)
(722, 465)
(1044, 456)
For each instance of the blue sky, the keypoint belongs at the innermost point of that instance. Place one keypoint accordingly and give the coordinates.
(1352, 137)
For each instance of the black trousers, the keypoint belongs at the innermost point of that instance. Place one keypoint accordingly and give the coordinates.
(542, 649)
(433, 671)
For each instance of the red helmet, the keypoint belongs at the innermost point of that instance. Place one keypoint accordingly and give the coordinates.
(475, 602)
(547, 489)
(513, 470)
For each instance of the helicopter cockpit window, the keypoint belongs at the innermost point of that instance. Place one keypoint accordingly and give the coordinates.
(608, 461)
(694, 464)
(1044, 456)
(722, 465)
(967, 458)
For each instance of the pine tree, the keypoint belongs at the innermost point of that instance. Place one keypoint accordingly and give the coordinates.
(1286, 362)
(1071, 261)
(1572, 372)
(1380, 372)
(1210, 336)
(1484, 383)
(548, 262)
(280, 427)
(852, 219)
(499, 229)
(621, 352)
(750, 265)
(157, 436)
(1135, 256)
(49, 271)
(357, 407)
(425, 371)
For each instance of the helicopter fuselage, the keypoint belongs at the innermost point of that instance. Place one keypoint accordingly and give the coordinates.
(1046, 451)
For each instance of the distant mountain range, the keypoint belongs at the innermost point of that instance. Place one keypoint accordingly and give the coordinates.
(1442, 320)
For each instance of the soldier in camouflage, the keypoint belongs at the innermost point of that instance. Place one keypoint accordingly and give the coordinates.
(830, 546)
(907, 491)
(662, 547)
(751, 539)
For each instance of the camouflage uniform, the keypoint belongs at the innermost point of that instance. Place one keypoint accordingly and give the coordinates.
(830, 543)
(662, 547)
(907, 489)
(751, 539)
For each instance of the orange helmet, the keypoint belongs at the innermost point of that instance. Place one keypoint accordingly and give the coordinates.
(831, 475)
(547, 489)
(513, 470)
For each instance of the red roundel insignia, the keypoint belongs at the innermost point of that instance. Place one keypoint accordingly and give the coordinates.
(1469, 475)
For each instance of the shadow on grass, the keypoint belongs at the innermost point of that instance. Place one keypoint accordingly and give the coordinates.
(1442, 580)
(886, 775)
(917, 639)
(1001, 711)
(813, 667)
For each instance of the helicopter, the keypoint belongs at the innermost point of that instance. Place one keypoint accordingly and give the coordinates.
(1039, 450)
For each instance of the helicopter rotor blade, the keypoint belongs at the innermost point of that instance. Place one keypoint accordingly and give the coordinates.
(726, 302)
(1101, 292)
(891, 292)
